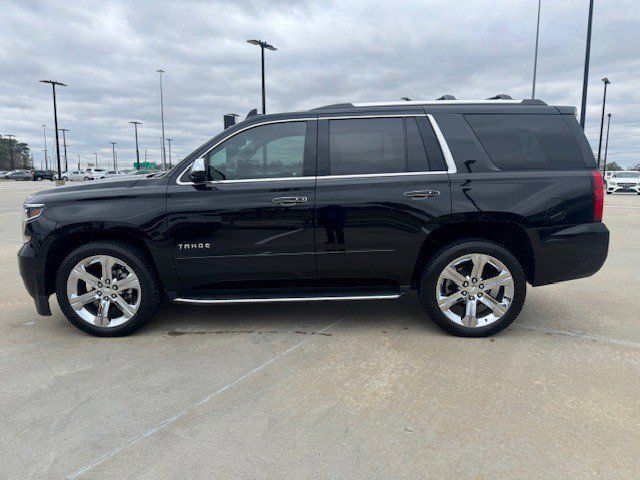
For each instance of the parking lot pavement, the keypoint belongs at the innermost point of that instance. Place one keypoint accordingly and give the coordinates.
(335, 390)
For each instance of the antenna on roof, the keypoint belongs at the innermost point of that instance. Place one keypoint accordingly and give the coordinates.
(252, 113)
(446, 97)
(501, 96)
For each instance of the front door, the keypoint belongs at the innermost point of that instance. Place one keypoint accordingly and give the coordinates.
(253, 221)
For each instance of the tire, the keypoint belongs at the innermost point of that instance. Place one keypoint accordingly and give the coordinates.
(65, 179)
(87, 178)
(608, 193)
(433, 288)
(148, 296)
(38, 179)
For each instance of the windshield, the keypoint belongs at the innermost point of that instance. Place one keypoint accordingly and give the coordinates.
(626, 175)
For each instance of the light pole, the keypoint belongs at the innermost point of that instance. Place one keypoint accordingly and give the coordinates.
(262, 46)
(135, 129)
(78, 161)
(44, 133)
(585, 78)
(606, 146)
(535, 56)
(10, 148)
(606, 82)
(113, 151)
(64, 143)
(169, 140)
(164, 153)
(96, 155)
(55, 118)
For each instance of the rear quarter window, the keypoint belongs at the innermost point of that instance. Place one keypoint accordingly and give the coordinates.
(527, 142)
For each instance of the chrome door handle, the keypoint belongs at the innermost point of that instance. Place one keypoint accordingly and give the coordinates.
(284, 201)
(420, 194)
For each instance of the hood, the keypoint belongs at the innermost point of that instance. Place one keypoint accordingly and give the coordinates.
(93, 189)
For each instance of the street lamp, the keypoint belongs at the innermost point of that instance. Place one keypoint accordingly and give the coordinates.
(55, 118)
(606, 146)
(262, 46)
(135, 129)
(164, 153)
(78, 161)
(606, 82)
(585, 78)
(64, 143)
(113, 150)
(44, 133)
(96, 155)
(169, 140)
(535, 56)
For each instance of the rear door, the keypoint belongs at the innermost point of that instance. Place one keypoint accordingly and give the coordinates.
(378, 196)
(252, 223)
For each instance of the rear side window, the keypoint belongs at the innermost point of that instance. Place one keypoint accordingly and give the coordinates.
(375, 145)
(527, 142)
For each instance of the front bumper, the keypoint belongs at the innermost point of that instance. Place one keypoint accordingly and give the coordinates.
(32, 271)
(569, 253)
(623, 188)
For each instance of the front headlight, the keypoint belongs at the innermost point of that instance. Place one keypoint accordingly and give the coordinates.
(30, 211)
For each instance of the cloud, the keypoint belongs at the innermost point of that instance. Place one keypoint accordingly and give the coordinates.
(328, 52)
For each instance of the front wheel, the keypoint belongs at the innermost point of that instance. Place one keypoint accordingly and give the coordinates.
(108, 288)
(473, 288)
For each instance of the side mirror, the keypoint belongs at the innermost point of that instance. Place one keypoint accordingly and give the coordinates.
(198, 171)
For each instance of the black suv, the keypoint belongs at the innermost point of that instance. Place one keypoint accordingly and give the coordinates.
(39, 175)
(464, 201)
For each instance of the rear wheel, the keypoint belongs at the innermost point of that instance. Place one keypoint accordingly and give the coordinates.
(473, 288)
(108, 289)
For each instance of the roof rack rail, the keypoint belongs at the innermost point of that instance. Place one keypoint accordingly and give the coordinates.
(447, 97)
(501, 96)
(503, 100)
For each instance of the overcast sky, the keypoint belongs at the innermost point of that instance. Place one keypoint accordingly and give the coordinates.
(328, 52)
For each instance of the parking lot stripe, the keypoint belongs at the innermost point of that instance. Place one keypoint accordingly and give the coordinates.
(206, 399)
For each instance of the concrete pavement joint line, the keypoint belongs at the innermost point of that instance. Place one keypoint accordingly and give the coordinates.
(586, 336)
(209, 397)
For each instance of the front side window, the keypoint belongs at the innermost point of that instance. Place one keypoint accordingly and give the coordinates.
(267, 151)
(375, 146)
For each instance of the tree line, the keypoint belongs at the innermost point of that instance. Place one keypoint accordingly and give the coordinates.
(14, 154)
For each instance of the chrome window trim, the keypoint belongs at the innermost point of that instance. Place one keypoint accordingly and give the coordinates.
(437, 102)
(374, 175)
(444, 146)
(451, 166)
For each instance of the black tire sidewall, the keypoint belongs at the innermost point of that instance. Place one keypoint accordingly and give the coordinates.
(449, 253)
(148, 285)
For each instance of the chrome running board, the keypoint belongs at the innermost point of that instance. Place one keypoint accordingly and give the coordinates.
(332, 298)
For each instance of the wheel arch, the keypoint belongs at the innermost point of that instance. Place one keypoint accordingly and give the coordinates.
(66, 243)
(510, 235)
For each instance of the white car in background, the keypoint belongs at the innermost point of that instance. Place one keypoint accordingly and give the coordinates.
(624, 181)
(95, 173)
(72, 175)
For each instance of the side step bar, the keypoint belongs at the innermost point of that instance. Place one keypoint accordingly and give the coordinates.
(327, 298)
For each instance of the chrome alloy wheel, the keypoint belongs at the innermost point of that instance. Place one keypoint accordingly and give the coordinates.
(104, 291)
(475, 290)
